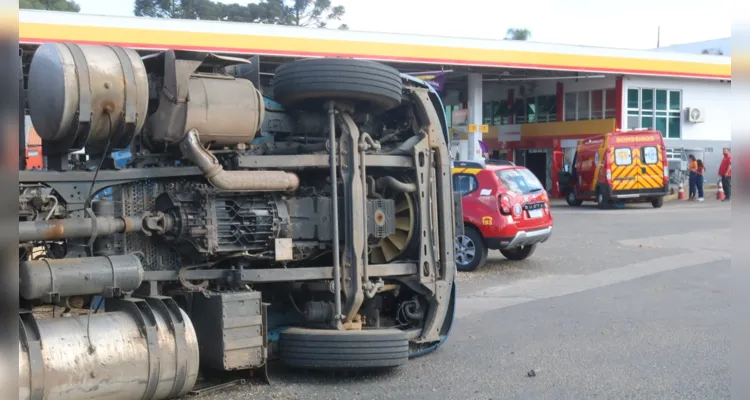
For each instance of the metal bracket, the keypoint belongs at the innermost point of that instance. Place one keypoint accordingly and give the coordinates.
(84, 92)
(140, 310)
(121, 139)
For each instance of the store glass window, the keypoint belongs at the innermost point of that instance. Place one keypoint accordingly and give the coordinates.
(655, 108)
(597, 104)
(661, 100)
(674, 127)
(647, 99)
(531, 110)
(584, 105)
(571, 101)
(674, 100)
(633, 101)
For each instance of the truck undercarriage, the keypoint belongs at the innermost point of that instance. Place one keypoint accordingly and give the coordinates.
(315, 226)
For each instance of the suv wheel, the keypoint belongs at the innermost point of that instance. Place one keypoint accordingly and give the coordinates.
(571, 199)
(471, 252)
(519, 253)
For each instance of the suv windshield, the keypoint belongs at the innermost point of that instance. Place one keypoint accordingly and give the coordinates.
(519, 180)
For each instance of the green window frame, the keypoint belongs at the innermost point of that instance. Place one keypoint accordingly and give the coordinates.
(655, 108)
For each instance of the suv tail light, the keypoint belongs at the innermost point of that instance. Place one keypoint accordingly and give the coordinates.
(505, 207)
(609, 175)
(666, 173)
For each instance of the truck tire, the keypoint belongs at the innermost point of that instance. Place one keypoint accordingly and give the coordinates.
(306, 84)
(334, 349)
(519, 253)
(657, 202)
(471, 251)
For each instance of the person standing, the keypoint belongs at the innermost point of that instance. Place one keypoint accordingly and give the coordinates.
(692, 169)
(725, 174)
(700, 171)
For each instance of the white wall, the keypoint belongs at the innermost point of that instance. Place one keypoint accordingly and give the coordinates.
(711, 96)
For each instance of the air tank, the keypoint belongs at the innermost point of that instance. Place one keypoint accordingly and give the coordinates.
(85, 94)
(79, 276)
(142, 352)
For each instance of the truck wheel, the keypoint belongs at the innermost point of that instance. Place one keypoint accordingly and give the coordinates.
(334, 349)
(471, 252)
(657, 202)
(519, 253)
(571, 199)
(369, 85)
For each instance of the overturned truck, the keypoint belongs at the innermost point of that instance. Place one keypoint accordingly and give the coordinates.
(314, 226)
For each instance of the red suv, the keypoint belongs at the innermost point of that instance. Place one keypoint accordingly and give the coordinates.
(505, 208)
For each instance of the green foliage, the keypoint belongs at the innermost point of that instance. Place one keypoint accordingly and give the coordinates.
(316, 13)
(51, 5)
(518, 34)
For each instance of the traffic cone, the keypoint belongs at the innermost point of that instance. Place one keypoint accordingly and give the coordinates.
(681, 193)
(720, 192)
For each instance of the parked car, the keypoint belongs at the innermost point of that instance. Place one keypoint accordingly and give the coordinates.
(505, 207)
(625, 166)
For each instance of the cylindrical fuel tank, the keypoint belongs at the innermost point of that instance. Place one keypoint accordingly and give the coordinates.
(79, 276)
(65, 78)
(225, 110)
(131, 360)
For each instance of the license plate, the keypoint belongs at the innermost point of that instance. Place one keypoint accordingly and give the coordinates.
(538, 213)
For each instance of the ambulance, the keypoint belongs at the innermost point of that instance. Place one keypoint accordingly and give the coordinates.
(623, 166)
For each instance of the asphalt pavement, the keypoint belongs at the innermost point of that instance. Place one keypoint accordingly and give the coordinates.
(627, 303)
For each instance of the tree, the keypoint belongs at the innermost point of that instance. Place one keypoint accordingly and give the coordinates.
(518, 34)
(51, 5)
(309, 12)
(280, 12)
(714, 52)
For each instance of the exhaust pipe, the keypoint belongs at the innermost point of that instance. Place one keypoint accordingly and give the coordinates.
(234, 181)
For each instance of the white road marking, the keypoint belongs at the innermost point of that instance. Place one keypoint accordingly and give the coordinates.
(502, 296)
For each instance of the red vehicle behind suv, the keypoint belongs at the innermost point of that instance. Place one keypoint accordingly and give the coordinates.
(505, 208)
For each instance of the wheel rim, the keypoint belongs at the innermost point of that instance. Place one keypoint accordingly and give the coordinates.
(465, 250)
(600, 199)
(571, 197)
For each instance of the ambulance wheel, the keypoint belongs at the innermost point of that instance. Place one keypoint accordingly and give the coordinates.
(657, 202)
(368, 85)
(601, 201)
(571, 199)
(519, 253)
(471, 252)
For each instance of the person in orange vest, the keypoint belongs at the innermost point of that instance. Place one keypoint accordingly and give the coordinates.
(725, 174)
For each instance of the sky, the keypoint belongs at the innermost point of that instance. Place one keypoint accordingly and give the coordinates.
(630, 24)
